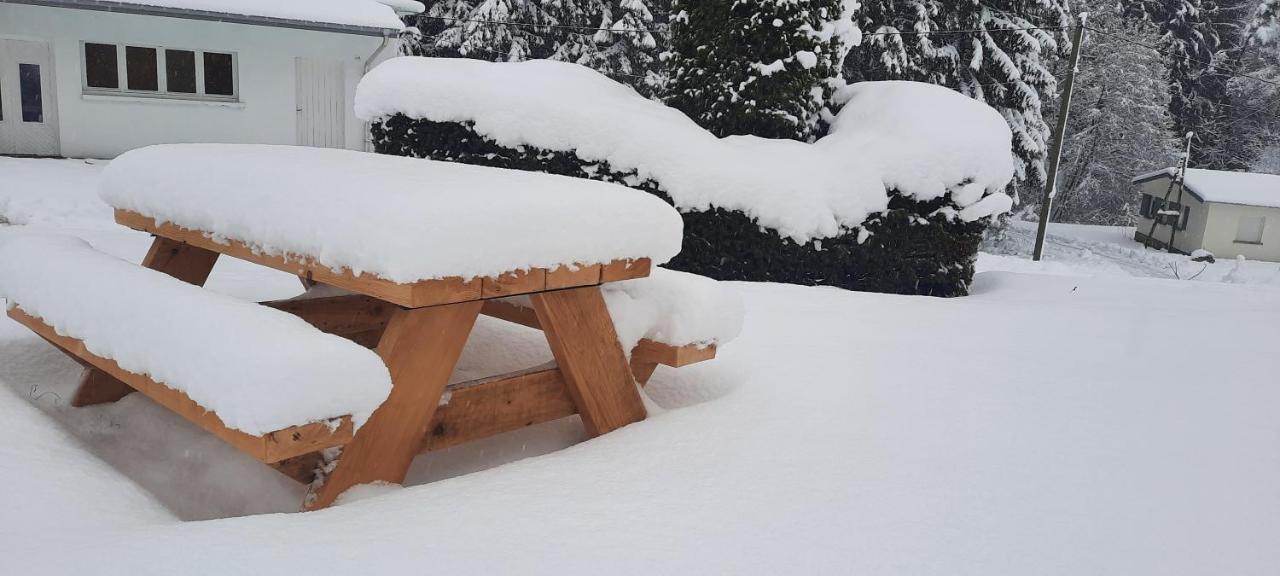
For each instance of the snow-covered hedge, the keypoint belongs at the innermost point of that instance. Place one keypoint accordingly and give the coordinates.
(894, 199)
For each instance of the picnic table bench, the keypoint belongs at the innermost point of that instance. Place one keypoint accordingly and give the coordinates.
(318, 214)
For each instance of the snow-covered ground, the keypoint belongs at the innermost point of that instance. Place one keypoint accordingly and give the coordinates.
(1085, 415)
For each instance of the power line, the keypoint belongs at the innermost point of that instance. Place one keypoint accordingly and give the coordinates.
(1208, 65)
(593, 29)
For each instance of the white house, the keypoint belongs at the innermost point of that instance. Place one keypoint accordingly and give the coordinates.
(94, 78)
(1227, 213)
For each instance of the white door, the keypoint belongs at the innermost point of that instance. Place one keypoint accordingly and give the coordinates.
(322, 106)
(28, 109)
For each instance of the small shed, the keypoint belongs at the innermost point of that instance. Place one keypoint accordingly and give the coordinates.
(1227, 213)
(96, 78)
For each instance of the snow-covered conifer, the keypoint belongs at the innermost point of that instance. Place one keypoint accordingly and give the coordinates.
(998, 51)
(759, 67)
(619, 38)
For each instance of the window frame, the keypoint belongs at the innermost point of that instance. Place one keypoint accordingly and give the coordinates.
(1262, 229)
(162, 75)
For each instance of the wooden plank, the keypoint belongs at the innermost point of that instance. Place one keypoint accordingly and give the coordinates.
(185, 262)
(512, 283)
(482, 408)
(348, 314)
(425, 293)
(511, 313)
(301, 468)
(414, 295)
(625, 270)
(642, 370)
(98, 387)
(582, 339)
(566, 277)
(674, 356)
(420, 347)
(190, 264)
(646, 351)
(273, 447)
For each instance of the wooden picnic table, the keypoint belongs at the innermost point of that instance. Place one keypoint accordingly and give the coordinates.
(420, 329)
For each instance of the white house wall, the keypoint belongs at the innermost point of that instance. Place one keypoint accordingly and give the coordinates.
(1224, 220)
(105, 126)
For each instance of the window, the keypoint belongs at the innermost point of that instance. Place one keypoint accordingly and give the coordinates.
(1249, 229)
(111, 69)
(29, 87)
(1144, 209)
(180, 71)
(140, 69)
(218, 76)
(101, 70)
(1186, 217)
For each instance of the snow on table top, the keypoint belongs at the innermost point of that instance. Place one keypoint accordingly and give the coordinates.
(403, 219)
(370, 13)
(919, 139)
(259, 369)
(1248, 188)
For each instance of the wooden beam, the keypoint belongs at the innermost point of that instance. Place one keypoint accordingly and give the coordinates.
(413, 295)
(482, 408)
(272, 447)
(420, 348)
(343, 315)
(646, 351)
(300, 468)
(596, 373)
(673, 356)
(511, 313)
(565, 277)
(185, 262)
(625, 270)
(98, 387)
(518, 282)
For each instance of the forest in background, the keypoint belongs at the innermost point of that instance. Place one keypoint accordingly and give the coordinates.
(1150, 72)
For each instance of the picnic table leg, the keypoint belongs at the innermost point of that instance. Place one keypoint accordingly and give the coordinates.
(182, 261)
(586, 347)
(420, 347)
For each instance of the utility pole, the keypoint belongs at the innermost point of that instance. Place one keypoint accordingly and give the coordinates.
(1055, 150)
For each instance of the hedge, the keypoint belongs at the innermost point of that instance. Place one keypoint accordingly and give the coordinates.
(911, 249)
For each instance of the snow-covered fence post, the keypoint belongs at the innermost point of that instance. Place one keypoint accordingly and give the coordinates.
(1055, 153)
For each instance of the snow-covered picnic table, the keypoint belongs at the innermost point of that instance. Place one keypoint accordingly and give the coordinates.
(406, 253)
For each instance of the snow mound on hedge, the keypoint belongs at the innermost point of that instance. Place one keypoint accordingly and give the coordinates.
(918, 139)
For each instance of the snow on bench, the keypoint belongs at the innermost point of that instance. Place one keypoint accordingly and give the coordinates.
(670, 318)
(404, 220)
(258, 370)
(671, 308)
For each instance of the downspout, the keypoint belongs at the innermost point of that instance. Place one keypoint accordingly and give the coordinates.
(368, 64)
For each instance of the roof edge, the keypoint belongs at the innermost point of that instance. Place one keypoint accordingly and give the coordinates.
(1167, 173)
(209, 16)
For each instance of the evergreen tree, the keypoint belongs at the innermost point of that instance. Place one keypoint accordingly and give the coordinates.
(997, 51)
(626, 49)
(758, 67)
(1205, 44)
(1119, 125)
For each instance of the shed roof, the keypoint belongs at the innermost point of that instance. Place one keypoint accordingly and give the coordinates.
(1247, 188)
(367, 17)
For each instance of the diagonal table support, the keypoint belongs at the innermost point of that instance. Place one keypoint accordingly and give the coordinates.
(185, 262)
(420, 346)
(586, 347)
